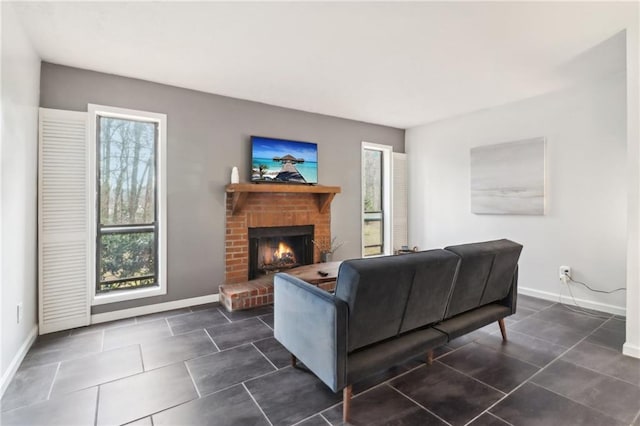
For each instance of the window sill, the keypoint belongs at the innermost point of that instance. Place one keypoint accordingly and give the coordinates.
(123, 295)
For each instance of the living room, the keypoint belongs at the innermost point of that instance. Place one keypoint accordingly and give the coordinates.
(586, 107)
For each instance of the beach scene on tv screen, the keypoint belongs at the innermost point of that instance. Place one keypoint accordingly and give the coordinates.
(275, 160)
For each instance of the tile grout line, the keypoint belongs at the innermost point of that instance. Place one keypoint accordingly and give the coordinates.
(492, 415)
(261, 320)
(404, 373)
(263, 375)
(265, 357)
(256, 402)
(221, 312)
(470, 422)
(635, 419)
(487, 347)
(499, 418)
(160, 411)
(239, 383)
(570, 312)
(546, 340)
(514, 356)
(169, 325)
(264, 338)
(212, 341)
(141, 357)
(95, 418)
(573, 400)
(324, 418)
(192, 379)
(601, 345)
(55, 375)
(213, 353)
(299, 422)
(378, 385)
(241, 344)
(473, 378)
(419, 405)
(601, 373)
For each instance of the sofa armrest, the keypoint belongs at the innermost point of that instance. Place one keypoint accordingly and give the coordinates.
(312, 325)
(512, 298)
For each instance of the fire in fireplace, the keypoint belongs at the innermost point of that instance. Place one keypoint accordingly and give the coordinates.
(274, 249)
(272, 258)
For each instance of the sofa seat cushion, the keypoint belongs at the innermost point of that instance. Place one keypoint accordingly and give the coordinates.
(469, 321)
(381, 356)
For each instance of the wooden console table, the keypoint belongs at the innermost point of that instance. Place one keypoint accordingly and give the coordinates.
(311, 273)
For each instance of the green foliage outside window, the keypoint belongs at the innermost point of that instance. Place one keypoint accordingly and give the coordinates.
(127, 256)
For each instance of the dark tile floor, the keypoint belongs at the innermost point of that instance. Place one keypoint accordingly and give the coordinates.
(206, 366)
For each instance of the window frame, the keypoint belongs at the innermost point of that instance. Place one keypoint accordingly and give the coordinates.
(387, 197)
(161, 202)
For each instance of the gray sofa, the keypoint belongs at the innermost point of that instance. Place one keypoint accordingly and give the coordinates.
(387, 310)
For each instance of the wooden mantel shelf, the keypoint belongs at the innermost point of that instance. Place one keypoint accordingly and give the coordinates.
(240, 191)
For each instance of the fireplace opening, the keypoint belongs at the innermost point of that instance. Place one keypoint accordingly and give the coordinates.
(278, 248)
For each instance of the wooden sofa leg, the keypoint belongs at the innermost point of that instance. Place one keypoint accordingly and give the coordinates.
(503, 330)
(293, 360)
(430, 357)
(346, 404)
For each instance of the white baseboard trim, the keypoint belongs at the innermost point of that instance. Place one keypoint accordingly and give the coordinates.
(631, 350)
(555, 297)
(17, 360)
(152, 309)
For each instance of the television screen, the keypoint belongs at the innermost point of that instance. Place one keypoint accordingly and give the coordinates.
(283, 161)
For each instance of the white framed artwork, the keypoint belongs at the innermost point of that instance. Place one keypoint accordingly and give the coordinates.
(509, 178)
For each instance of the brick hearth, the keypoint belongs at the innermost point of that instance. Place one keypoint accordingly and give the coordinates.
(265, 209)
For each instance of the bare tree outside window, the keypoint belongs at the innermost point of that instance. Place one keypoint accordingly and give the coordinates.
(127, 243)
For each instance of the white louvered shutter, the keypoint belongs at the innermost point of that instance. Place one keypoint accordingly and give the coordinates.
(400, 200)
(64, 221)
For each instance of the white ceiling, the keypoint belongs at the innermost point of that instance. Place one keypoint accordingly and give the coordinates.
(397, 64)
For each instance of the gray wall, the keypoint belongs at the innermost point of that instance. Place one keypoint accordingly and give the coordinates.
(207, 135)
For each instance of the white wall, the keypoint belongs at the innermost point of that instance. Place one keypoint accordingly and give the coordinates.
(586, 221)
(20, 99)
(632, 344)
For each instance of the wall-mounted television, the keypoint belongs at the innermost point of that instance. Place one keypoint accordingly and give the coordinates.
(283, 161)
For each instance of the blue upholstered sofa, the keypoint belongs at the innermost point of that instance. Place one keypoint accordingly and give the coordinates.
(387, 310)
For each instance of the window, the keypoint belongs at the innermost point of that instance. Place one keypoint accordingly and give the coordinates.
(376, 211)
(130, 203)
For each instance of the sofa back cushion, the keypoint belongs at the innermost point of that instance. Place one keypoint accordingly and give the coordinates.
(435, 272)
(378, 290)
(485, 274)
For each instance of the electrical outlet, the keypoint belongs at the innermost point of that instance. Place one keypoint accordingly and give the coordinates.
(564, 273)
(19, 312)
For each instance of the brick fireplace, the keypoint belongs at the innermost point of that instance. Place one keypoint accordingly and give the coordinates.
(272, 205)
